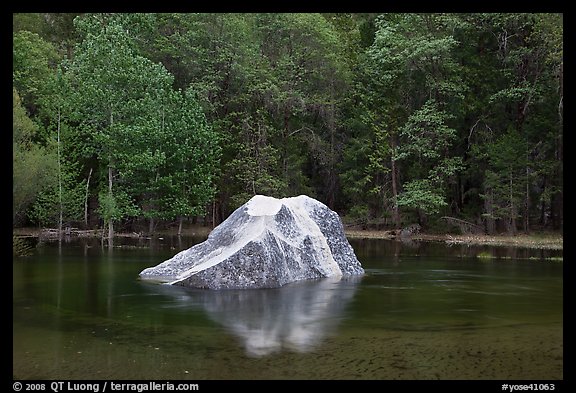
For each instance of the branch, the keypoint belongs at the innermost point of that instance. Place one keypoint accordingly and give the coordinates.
(302, 129)
(474, 127)
(472, 130)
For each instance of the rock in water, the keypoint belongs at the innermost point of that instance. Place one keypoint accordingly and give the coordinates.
(265, 243)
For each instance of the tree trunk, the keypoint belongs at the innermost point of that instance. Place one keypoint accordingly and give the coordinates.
(110, 221)
(489, 209)
(59, 181)
(527, 200)
(512, 227)
(86, 199)
(110, 181)
(395, 212)
(558, 204)
(331, 173)
(151, 226)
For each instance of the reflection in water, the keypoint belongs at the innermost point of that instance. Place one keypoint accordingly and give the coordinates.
(434, 312)
(296, 317)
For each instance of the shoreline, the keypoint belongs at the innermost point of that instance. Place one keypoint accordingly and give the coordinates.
(550, 241)
(544, 240)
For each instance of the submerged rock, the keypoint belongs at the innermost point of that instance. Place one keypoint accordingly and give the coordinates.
(265, 243)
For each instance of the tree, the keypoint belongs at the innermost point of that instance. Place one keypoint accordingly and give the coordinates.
(34, 166)
(184, 182)
(412, 79)
(119, 101)
(55, 28)
(387, 118)
(426, 138)
(33, 63)
(516, 80)
(217, 56)
(271, 85)
(311, 74)
(505, 180)
(34, 71)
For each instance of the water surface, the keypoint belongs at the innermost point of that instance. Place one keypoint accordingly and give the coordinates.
(422, 311)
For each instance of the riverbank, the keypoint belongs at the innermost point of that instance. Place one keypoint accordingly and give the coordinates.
(545, 240)
(549, 241)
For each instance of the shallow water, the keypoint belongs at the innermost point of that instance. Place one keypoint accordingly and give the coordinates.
(422, 311)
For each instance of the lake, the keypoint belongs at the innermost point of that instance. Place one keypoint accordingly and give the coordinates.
(422, 311)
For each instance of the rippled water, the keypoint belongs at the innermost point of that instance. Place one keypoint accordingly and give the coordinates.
(422, 311)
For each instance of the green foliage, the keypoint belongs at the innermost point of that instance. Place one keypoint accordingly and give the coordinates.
(375, 115)
(184, 181)
(427, 138)
(29, 21)
(33, 62)
(505, 180)
(56, 28)
(358, 215)
(33, 166)
(23, 128)
(113, 207)
(66, 197)
(421, 194)
(34, 170)
(269, 83)
(355, 169)
(411, 76)
(426, 134)
(152, 140)
(255, 168)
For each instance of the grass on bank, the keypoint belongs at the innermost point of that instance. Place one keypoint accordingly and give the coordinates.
(551, 241)
(543, 240)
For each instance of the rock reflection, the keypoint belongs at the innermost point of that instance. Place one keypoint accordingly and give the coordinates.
(296, 317)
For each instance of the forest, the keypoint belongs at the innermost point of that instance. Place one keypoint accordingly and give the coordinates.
(140, 121)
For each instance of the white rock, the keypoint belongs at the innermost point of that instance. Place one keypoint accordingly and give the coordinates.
(265, 243)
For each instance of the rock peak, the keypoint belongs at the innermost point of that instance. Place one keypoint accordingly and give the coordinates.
(261, 205)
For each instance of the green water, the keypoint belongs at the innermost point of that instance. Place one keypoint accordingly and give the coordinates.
(422, 311)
